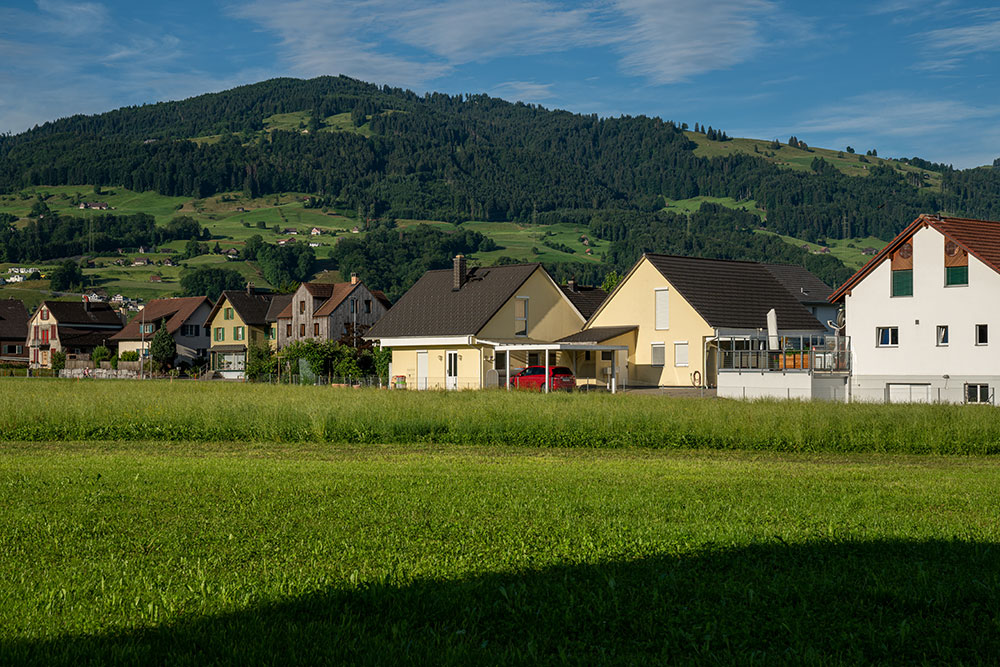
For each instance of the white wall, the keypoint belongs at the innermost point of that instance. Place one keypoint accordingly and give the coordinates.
(961, 308)
(767, 384)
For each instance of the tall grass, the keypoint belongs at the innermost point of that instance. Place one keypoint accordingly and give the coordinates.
(59, 410)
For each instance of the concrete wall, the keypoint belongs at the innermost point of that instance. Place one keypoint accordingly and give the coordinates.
(633, 304)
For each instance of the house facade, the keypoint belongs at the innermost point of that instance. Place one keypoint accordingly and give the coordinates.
(238, 319)
(468, 328)
(72, 327)
(330, 311)
(185, 319)
(13, 331)
(735, 326)
(919, 315)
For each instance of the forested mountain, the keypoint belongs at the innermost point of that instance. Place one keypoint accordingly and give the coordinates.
(395, 154)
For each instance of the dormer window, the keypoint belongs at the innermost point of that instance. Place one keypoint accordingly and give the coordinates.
(956, 265)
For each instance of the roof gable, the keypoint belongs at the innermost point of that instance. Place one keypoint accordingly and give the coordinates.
(252, 308)
(175, 311)
(980, 238)
(432, 308)
(79, 313)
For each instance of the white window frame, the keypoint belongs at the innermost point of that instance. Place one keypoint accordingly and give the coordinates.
(981, 396)
(687, 352)
(986, 330)
(665, 319)
(942, 328)
(517, 328)
(878, 337)
(652, 358)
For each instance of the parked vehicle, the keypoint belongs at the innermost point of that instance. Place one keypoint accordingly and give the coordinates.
(533, 377)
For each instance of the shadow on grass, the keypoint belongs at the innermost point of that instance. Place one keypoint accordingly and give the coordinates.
(845, 602)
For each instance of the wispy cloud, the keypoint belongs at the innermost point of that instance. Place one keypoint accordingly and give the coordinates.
(966, 40)
(676, 43)
(523, 91)
(894, 114)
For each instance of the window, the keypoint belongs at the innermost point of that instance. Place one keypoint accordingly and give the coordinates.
(942, 335)
(45, 314)
(35, 334)
(354, 306)
(902, 283)
(662, 305)
(316, 329)
(956, 275)
(500, 362)
(977, 393)
(45, 335)
(887, 336)
(273, 332)
(302, 330)
(239, 333)
(607, 355)
(302, 307)
(657, 354)
(521, 316)
(982, 334)
(368, 306)
(586, 355)
(227, 314)
(681, 354)
(288, 329)
(532, 358)
(147, 328)
(220, 334)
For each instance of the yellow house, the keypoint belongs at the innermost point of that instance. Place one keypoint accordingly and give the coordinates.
(470, 328)
(240, 318)
(682, 318)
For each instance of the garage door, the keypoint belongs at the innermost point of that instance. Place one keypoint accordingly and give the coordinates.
(909, 393)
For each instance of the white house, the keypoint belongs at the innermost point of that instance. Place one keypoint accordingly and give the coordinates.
(921, 315)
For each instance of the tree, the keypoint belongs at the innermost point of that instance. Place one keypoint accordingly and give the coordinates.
(100, 354)
(39, 210)
(996, 163)
(260, 361)
(611, 280)
(58, 361)
(163, 348)
(849, 150)
(210, 282)
(66, 276)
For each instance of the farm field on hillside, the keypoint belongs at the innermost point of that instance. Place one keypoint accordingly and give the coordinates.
(151, 552)
(847, 251)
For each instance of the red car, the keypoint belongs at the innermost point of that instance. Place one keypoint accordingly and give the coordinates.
(533, 377)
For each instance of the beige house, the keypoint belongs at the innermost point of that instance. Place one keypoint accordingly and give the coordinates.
(467, 328)
(738, 326)
(239, 319)
(73, 327)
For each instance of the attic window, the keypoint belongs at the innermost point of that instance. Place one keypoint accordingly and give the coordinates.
(45, 314)
(956, 265)
(902, 270)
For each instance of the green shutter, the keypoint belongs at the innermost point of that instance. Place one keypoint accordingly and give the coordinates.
(902, 283)
(956, 275)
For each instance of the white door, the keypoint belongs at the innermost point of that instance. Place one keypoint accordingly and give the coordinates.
(909, 393)
(451, 371)
(421, 370)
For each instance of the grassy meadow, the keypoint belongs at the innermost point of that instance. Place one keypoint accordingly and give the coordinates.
(194, 523)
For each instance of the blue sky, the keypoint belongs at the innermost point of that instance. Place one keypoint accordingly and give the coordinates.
(907, 77)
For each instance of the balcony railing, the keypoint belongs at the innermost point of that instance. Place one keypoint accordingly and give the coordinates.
(799, 354)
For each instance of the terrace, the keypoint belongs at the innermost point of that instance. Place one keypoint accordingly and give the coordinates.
(805, 367)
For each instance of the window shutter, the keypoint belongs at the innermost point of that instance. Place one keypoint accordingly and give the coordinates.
(680, 354)
(657, 354)
(662, 309)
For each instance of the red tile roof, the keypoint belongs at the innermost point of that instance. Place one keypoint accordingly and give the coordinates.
(977, 237)
(176, 311)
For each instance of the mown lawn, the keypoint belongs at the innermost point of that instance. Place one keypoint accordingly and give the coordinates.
(148, 552)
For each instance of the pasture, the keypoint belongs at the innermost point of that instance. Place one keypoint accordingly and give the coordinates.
(227, 524)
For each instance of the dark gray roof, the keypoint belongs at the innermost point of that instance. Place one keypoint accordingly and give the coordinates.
(734, 295)
(83, 315)
(75, 337)
(278, 303)
(586, 299)
(13, 320)
(432, 308)
(597, 334)
(803, 285)
(252, 308)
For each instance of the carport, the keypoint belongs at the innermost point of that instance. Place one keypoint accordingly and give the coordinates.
(522, 345)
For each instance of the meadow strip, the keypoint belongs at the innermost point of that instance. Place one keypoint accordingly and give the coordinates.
(60, 410)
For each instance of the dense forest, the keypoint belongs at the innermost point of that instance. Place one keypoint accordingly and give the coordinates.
(463, 157)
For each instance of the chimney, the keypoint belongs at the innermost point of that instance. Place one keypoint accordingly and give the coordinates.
(571, 284)
(250, 289)
(86, 303)
(458, 273)
(354, 279)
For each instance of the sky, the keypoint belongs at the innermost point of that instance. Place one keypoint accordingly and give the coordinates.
(904, 77)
